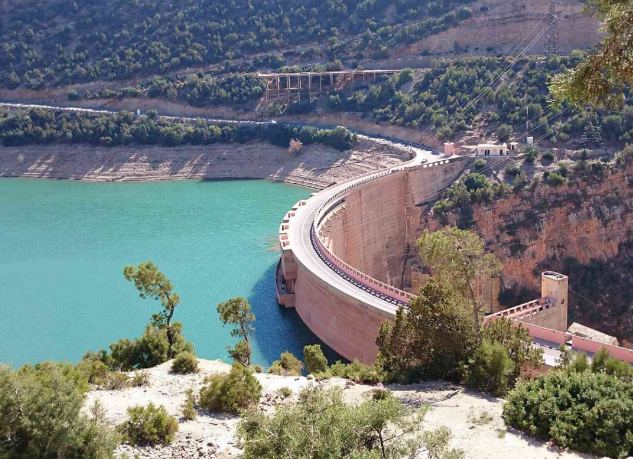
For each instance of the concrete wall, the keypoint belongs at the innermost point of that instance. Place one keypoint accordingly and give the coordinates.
(345, 324)
(368, 231)
(380, 221)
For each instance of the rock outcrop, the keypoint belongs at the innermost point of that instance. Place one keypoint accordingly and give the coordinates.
(583, 230)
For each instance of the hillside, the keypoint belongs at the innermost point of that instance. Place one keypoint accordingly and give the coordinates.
(474, 419)
(569, 213)
(64, 42)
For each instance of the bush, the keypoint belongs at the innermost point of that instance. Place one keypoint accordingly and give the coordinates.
(185, 362)
(512, 169)
(480, 164)
(140, 379)
(230, 393)
(149, 350)
(322, 425)
(149, 425)
(491, 368)
(314, 359)
(42, 416)
(73, 95)
(189, 407)
(503, 132)
(589, 412)
(288, 365)
(285, 392)
(115, 381)
(554, 179)
(548, 156)
(95, 371)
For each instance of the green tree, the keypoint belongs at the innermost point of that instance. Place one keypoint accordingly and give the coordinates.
(315, 359)
(237, 312)
(517, 340)
(153, 284)
(430, 338)
(601, 80)
(491, 368)
(457, 258)
(322, 425)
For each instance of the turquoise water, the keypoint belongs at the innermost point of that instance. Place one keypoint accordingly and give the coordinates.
(63, 246)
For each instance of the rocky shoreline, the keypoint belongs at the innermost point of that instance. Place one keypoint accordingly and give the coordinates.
(315, 166)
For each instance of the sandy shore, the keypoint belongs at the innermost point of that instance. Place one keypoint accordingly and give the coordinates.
(211, 435)
(316, 166)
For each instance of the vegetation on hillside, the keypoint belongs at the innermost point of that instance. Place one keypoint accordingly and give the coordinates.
(41, 415)
(456, 95)
(60, 42)
(322, 425)
(587, 407)
(46, 126)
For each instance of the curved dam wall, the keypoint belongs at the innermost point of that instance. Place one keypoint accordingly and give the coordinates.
(377, 225)
(367, 228)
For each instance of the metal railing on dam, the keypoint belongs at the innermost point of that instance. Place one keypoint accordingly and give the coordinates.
(361, 280)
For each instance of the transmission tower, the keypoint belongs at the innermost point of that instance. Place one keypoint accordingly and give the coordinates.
(551, 44)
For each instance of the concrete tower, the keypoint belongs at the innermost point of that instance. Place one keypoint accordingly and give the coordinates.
(555, 287)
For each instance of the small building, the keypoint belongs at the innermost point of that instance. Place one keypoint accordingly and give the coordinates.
(589, 333)
(514, 146)
(489, 149)
(449, 149)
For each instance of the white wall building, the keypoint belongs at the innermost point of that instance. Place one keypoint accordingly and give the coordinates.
(489, 149)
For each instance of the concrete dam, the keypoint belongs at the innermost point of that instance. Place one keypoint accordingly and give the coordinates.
(343, 251)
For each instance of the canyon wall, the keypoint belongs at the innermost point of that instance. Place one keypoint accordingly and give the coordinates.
(583, 230)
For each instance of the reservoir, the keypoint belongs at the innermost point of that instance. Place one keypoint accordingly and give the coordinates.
(63, 246)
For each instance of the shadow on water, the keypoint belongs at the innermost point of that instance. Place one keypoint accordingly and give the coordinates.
(279, 329)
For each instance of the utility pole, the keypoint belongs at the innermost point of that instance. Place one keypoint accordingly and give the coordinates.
(551, 43)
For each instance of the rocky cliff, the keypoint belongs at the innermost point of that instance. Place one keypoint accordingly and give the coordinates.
(583, 230)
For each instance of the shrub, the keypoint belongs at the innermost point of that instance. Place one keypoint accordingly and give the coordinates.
(548, 156)
(589, 412)
(513, 169)
(554, 179)
(95, 371)
(149, 350)
(257, 368)
(480, 164)
(42, 416)
(189, 407)
(115, 381)
(232, 392)
(288, 365)
(491, 368)
(285, 392)
(314, 359)
(140, 379)
(149, 425)
(321, 424)
(185, 362)
(503, 132)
